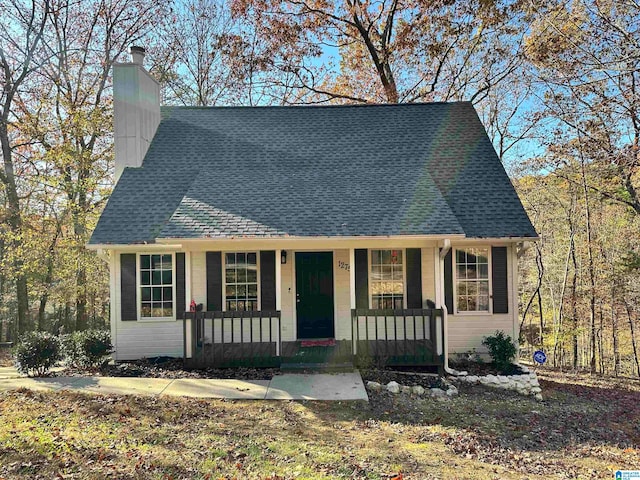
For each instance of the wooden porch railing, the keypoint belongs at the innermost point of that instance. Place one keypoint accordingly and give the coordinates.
(226, 339)
(398, 337)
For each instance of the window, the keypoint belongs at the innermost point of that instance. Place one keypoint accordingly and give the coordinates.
(241, 281)
(156, 286)
(387, 279)
(472, 280)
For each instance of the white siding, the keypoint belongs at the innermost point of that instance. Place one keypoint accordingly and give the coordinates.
(149, 339)
(467, 330)
(133, 340)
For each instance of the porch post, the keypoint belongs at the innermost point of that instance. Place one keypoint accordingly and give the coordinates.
(114, 275)
(352, 295)
(437, 276)
(352, 277)
(187, 281)
(279, 297)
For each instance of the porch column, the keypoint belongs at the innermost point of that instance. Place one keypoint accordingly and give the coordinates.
(352, 277)
(437, 276)
(352, 293)
(279, 296)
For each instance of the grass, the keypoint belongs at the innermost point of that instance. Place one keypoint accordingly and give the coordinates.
(585, 428)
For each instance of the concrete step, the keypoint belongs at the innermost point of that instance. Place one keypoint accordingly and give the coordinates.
(316, 367)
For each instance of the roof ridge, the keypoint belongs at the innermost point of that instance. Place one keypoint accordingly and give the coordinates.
(314, 106)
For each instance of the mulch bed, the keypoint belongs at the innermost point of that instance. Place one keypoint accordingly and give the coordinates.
(165, 367)
(384, 376)
(479, 368)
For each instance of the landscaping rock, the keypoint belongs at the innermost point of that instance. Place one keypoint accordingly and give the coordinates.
(437, 393)
(417, 390)
(375, 386)
(524, 384)
(393, 387)
(405, 389)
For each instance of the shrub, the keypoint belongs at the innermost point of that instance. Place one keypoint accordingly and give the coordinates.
(88, 349)
(501, 349)
(36, 353)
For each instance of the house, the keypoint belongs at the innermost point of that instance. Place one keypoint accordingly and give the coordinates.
(386, 230)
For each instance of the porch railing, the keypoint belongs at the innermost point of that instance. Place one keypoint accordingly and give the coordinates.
(225, 339)
(398, 337)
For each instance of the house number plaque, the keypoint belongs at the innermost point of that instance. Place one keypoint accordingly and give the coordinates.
(343, 265)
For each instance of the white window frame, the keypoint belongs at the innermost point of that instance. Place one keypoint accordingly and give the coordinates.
(139, 288)
(404, 275)
(454, 276)
(224, 277)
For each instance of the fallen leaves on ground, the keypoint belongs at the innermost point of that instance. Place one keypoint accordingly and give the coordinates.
(583, 429)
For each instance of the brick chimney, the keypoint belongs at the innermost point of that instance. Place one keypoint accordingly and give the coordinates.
(136, 110)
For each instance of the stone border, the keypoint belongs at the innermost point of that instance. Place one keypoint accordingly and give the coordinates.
(526, 384)
(418, 390)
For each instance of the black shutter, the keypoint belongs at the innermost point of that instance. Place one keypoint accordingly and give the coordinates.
(414, 278)
(128, 296)
(180, 286)
(268, 280)
(362, 278)
(448, 281)
(499, 279)
(214, 281)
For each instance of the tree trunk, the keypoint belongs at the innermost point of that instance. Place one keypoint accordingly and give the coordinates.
(592, 279)
(574, 309)
(614, 334)
(633, 339)
(14, 221)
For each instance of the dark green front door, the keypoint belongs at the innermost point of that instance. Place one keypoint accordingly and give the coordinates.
(314, 294)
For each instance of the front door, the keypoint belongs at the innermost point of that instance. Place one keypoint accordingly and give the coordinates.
(314, 294)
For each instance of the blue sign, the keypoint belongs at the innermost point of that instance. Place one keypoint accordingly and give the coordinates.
(628, 475)
(539, 357)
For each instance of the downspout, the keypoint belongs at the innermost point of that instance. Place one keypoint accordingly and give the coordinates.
(524, 246)
(445, 325)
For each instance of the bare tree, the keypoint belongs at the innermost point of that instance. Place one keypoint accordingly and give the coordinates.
(21, 34)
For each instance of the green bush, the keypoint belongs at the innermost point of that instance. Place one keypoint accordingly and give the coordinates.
(501, 349)
(36, 353)
(88, 349)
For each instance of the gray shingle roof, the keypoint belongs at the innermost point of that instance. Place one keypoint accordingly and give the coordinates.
(374, 170)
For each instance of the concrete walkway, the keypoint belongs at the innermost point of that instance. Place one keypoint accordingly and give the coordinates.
(321, 386)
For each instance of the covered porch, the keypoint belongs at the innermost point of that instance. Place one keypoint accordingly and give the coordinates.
(380, 337)
(313, 306)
